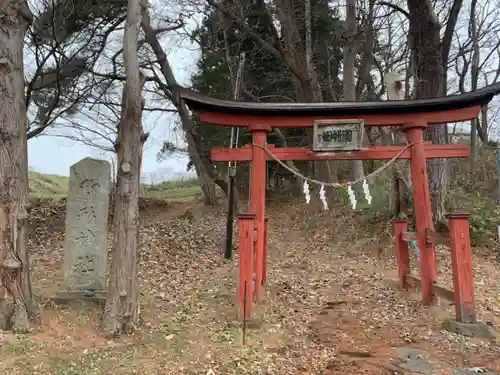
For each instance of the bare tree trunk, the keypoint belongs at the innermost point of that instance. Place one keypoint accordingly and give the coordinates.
(474, 78)
(204, 170)
(397, 196)
(425, 33)
(206, 182)
(311, 71)
(327, 169)
(113, 161)
(22, 225)
(483, 128)
(473, 142)
(15, 285)
(350, 51)
(366, 63)
(122, 311)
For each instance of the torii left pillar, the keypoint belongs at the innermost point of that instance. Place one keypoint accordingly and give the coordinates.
(258, 197)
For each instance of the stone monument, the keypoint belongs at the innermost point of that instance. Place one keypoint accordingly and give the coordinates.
(86, 233)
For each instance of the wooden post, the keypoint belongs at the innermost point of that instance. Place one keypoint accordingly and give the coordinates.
(461, 261)
(264, 259)
(498, 183)
(254, 260)
(423, 213)
(497, 154)
(228, 251)
(258, 194)
(398, 207)
(402, 253)
(247, 227)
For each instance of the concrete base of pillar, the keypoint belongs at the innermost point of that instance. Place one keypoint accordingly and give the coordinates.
(478, 329)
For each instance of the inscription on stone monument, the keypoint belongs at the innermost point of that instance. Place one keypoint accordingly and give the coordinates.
(86, 237)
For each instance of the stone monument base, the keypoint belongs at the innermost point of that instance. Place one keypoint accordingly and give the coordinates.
(66, 298)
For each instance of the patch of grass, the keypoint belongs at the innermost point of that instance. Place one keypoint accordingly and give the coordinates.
(48, 187)
(228, 334)
(175, 190)
(91, 363)
(20, 348)
(51, 359)
(175, 194)
(182, 183)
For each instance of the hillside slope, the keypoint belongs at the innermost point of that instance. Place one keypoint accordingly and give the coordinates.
(50, 187)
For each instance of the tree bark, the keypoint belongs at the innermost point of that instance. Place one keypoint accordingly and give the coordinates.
(365, 81)
(474, 124)
(15, 285)
(425, 33)
(446, 41)
(350, 52)
(122, 311)
(483, 125)
(398, 203)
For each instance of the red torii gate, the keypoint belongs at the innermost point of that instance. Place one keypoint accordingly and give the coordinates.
(412, 116)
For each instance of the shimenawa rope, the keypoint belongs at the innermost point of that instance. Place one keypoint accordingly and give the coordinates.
(337, 185)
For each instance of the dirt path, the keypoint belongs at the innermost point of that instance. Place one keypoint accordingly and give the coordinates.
(326, 309)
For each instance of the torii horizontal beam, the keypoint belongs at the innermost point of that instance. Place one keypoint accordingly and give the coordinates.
(432, 151)
(307, 121)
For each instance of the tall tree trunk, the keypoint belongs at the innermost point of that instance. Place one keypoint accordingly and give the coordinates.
(22, 225)
(327, 170)
(474, 124)
(15, 286)
(297, 54)
(122, 310)
(483, 125)
(204, 170)
(398, 204)
(425, 33)
(449, 31)
(365, 82)
(350, 51)
(206, 182)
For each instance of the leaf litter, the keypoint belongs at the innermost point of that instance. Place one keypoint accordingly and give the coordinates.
(327, 308)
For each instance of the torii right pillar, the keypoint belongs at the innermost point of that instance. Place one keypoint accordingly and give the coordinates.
(423, 213)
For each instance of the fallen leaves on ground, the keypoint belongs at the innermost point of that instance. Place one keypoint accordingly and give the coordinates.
(327, 308)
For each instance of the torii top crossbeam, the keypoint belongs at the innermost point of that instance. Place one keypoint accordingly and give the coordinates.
(452, 108)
